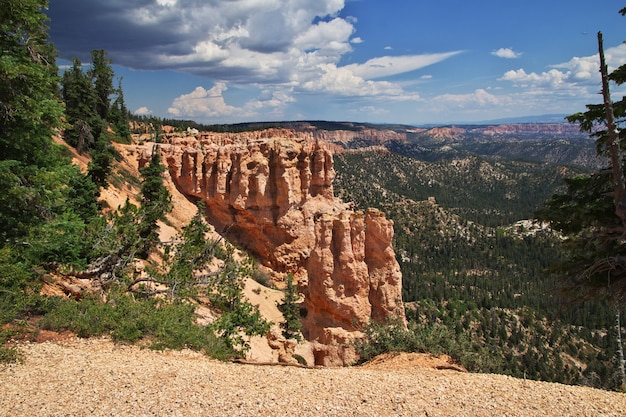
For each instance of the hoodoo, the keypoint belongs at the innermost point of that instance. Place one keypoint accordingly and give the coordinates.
(271, 193)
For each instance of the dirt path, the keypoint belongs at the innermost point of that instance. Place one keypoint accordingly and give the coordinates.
(94, 377)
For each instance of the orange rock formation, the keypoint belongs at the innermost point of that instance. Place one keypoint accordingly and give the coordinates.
(272, 194)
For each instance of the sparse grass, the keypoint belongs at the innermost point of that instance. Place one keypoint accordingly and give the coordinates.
(9, 354)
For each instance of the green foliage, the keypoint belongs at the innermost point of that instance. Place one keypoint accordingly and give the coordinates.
(156, 202)
(89, 112)
(238, 316)
(160, 325)
(102, 75)
(9, 354)
(185, 260)
(29, 106)
(291, 311)
(118, 116)
(462, 257)
(102, 157)
(16, 289)
(80, 103)
(390, 336)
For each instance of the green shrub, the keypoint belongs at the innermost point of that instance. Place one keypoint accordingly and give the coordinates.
(9, 354)
(124, 319)
(389, 336)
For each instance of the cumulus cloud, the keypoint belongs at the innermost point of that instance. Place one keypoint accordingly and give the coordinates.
(343, 81)
(507, 53)
(143, 111)
(577, 74)
(207, 104)
(253, 40)
(552, 79)
(267, 44)
(587, 68)
(202, 103)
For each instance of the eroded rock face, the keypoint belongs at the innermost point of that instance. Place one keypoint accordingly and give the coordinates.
(274, 197)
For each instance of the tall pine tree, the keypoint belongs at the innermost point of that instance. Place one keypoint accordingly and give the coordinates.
(156, 202)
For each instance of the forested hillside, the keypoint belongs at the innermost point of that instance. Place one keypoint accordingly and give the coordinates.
(473, 265)
(54, 229)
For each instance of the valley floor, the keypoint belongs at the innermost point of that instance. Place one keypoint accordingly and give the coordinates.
(94, 377)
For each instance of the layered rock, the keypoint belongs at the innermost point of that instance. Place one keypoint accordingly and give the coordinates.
(273, 196)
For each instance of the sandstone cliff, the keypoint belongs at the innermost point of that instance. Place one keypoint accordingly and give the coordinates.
(271, 193)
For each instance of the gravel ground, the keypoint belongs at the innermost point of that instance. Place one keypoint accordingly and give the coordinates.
(95, 377)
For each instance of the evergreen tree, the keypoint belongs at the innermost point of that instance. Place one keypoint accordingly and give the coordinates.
(80, 108)
(30, 111)
(156, 202)
(102, 156)
(291, 311)
(102, 77)
(591, 213)
(118, 116)
(29, 105)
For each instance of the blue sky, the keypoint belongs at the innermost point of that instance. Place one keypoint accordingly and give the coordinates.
(394, 61)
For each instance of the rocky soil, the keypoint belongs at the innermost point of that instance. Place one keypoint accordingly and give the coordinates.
(94, 377)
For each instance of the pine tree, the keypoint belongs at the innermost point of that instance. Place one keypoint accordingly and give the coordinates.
(591, 212)
(118, 116)
(291, 311)
(156, 202)
(30, 111)
(80, 108)
(102, 75)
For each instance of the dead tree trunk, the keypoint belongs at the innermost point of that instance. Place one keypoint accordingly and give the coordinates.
(619, 196)
(615, 151)
(620, 349)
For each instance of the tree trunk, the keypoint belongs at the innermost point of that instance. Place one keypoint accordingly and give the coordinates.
(619, 197)
(620, 349)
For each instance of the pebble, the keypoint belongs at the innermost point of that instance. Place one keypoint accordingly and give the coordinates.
(94, 377)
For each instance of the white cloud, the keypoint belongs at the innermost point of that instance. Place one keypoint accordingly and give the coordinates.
(332, 37)
(202, 103)
(372, 110)
(143, 111)
(343, 81)
(478, 98)
(291, 46)
(209, 104)
(579, 75)
(507, 53)
(386, 66)
(552, 79)
(166, 3)
(588, 68)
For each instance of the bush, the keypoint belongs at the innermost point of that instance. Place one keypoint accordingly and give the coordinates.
(389, 336)
(124, 319)
(435, 338)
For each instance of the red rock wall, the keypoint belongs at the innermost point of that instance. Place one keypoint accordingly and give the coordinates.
(274, 197)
